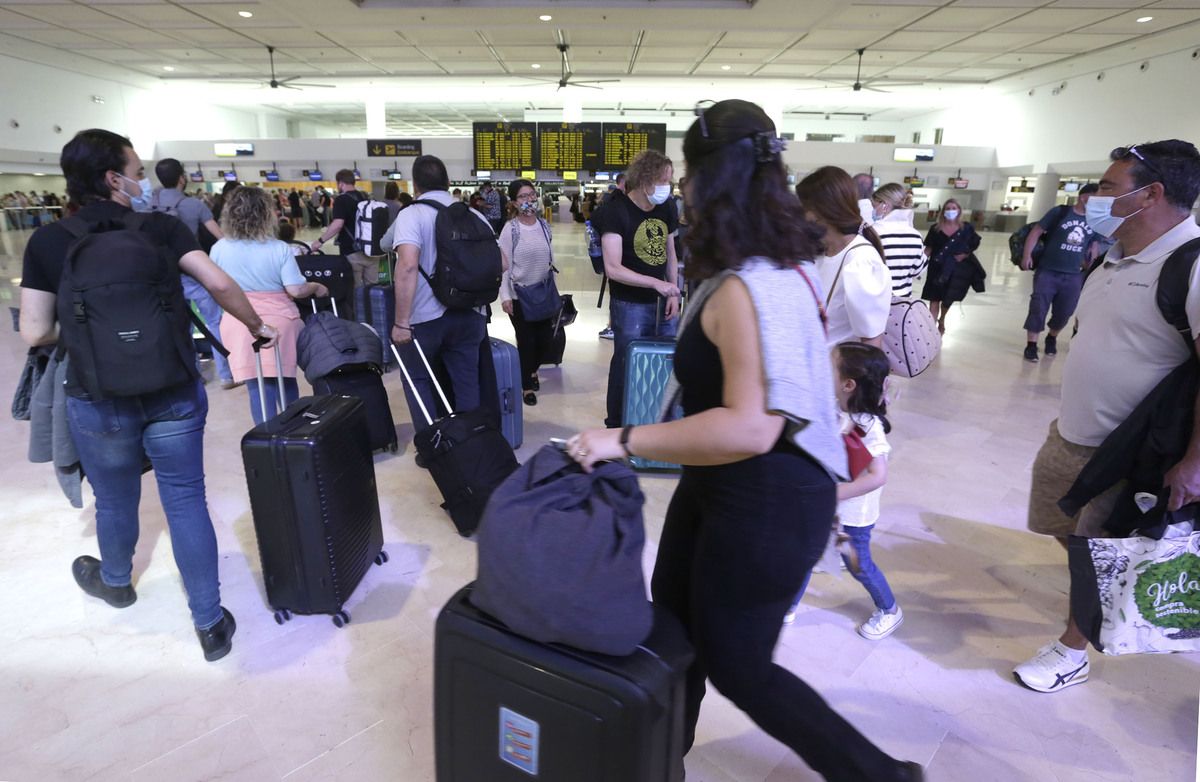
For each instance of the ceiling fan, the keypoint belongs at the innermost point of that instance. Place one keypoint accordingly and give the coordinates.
(274, 83)
(564, 80)
(859, 85)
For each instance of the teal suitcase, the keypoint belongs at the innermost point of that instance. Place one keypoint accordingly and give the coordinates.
(648, 367)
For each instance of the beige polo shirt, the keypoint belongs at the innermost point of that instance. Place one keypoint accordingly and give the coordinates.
(1124, 346)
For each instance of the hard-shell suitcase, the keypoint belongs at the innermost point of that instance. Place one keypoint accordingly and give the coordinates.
(648, 367)
(500, 388)
(465, 453)
(315, 506)
(508, 709)
(365, 382)
(335, 273)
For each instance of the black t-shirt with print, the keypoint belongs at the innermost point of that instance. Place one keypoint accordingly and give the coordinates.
(344, 209)
(644, 236)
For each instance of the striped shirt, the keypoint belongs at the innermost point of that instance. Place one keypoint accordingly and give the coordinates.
(903, 251)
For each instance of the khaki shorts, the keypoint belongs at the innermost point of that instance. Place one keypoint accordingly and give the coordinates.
(1055, 469)
(366, 268)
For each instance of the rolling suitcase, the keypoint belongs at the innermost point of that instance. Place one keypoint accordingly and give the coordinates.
(648, 367)
(500, 388)
(380, 309)
(507, 709)
(465, 453)
(313, 498)
(335, 273)
(365, 382)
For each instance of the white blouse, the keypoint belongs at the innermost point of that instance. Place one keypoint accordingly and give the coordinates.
(859, 302)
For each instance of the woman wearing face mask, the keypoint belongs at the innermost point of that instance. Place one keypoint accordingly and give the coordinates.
(953, 268)
(528, 267)
(637, 233)
(903, 251)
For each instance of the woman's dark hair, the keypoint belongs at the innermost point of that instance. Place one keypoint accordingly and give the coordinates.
(830, 193)
(738, 203)
(868, 367)
(86, 161)
(515, 186)
(405, 200)
(286, 232)
(391, 191)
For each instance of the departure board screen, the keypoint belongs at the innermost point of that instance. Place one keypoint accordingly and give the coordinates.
(505, 146)
(570, 146)
(624, 140)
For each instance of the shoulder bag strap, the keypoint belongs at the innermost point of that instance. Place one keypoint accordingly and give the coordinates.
(817, 299)
(838, 276)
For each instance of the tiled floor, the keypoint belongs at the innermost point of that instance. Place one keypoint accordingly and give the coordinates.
(89, 692)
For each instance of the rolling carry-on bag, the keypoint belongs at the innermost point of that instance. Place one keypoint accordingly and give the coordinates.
(508, 709)
(365, 383)
(335, 273)
(380, 303)
(500, 388)
(648, 367)
(314, 502)
(465, 453)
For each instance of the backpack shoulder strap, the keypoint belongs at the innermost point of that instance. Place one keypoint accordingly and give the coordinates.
(430, 202)
(137, 221)
(75, 225)
(1173, 283)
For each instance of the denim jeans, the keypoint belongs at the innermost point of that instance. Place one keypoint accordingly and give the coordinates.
(112, 436)
(451, 342)
(737, 541)
(868, 573)
(291, 392)
(211, 312)
(631, 320)
(1060, 290)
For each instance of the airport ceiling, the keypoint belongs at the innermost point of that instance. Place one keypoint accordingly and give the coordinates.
(807, 47)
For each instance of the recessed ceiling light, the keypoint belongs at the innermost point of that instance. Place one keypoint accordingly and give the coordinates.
(545, 17)
(536, 65)
(168, 67)
(1144, 19)
(726, 67)
(245, 14)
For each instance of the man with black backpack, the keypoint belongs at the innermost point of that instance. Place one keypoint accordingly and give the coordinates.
(1058, 280)
(105, 285)
(448, 267)
(1139, 321)
(353, 212)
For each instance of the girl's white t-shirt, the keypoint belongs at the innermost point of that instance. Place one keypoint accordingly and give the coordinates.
(863, 511)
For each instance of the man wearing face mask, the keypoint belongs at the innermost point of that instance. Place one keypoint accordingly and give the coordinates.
(1124, 348)
(637, 234)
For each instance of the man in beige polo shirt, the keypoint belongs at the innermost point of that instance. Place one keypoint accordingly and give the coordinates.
(1124, 348)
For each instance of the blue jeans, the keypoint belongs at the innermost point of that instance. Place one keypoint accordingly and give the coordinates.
(112, 437)
(211, 312)
(631, 320)
(291, 392)
(451, 342)
(868, 573)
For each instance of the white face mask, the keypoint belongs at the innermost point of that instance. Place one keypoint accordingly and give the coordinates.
(951, 214)
(660, 195)
(1099, 216)
(143, 188)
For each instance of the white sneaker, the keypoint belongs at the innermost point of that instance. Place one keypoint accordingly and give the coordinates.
(1052, 669)
(881, 624)
(790, 616)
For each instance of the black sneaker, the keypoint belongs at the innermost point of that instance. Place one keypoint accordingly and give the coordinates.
(87, 574)
(1031, 352)
(1051, 346)
(217, 640)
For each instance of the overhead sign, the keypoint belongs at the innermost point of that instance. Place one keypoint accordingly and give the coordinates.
(505, 146)
(914, 181)
(393, 147)
(270, 176)
(623, 141)
(960, 184)
(570, 146)
(912, 154)
(233, 149)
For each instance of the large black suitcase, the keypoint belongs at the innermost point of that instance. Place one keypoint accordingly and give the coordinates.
(466, 454)
(315, 506)
(507, 708)
(365, 381)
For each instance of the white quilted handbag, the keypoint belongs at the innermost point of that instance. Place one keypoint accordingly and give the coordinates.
(911, 340)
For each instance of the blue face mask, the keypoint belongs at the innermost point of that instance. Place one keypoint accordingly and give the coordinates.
(1099, 216)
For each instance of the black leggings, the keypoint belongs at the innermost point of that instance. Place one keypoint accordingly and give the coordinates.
(738, 542)
(534, 341)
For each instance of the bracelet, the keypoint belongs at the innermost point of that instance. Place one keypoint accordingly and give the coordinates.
(398, 326)
(624, 441)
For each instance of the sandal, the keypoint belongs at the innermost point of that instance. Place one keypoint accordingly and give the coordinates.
(530, 398)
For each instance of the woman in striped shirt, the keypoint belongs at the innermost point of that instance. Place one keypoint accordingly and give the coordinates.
(903, 246)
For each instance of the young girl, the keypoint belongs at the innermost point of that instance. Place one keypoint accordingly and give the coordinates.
(861, 371)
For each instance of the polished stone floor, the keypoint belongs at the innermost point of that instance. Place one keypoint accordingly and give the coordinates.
(90, 692)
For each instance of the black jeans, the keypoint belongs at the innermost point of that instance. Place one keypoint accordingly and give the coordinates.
(738, 542)
(534, 341)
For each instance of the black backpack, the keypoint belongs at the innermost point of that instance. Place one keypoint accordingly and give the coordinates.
(1016, 240)
(122, 315)
(468, 267)
(1173, 284)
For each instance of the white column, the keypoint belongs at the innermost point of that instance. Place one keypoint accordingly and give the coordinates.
(1045, 192)
(572, 108)
(376, 118)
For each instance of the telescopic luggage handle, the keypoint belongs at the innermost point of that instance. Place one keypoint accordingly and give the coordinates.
(313, 301)
(413, 386)
(262, 391)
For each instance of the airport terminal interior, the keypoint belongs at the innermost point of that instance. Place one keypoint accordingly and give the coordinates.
(1007, 106)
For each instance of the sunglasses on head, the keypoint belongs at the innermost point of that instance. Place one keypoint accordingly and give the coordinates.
(1122, 153)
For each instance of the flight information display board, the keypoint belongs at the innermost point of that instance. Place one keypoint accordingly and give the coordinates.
(570, 146)
(505, 146)
(624, 140)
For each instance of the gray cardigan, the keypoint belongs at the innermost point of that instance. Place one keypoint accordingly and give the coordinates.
(49, 433)
(796, 363)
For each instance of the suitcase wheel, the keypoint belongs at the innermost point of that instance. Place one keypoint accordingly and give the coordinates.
(381, 557)
(341, 619)
(282, 615)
